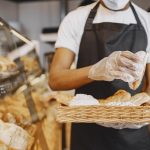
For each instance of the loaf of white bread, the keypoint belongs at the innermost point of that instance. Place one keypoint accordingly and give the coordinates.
(13, 137)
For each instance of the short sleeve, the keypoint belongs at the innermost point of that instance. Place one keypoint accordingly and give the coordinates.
(68, 33)
(148, 38)
(148, 50)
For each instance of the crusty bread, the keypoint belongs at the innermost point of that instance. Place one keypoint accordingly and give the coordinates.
(140, 98)
(14, 136)
(123, 98)
(134, 85)
(119, 96)
(7, 65)
(146, 104)
(62, 98)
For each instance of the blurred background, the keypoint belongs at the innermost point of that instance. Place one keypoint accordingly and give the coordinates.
(28, 31)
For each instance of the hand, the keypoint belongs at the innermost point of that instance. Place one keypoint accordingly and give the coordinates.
(141, 70)
(123, 65)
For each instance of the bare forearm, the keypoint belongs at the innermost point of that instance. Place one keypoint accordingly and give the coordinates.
(69, 79)
(147, 82)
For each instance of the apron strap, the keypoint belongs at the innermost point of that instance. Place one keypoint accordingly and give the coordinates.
(136, 15)
(89, 22)
(91, 17)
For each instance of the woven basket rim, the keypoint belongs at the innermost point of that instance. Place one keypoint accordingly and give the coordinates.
(100, 106)
(106, 114)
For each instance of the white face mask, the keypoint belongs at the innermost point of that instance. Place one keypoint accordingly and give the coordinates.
(115, 4)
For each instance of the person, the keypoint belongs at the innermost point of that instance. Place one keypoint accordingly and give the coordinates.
(86, 2)
(97, 36)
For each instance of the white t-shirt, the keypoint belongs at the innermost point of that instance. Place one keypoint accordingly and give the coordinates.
(72, 27)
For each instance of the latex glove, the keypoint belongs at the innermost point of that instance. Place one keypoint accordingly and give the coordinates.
(141, 70)
(123, 125)
(118, 65)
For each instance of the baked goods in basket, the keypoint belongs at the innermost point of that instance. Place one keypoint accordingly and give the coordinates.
(118, 111)
(61, 98)
(120, 97)
(123, 98)
(140, 99)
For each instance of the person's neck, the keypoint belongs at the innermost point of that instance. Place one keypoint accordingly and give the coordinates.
(125, 8)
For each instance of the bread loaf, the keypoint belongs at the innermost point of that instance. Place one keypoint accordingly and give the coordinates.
(62, 98)
(14, 136)
(6, 65)
(137, 83)
(119, 96)
(140, 99)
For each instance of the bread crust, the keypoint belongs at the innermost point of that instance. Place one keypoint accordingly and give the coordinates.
(119, 96)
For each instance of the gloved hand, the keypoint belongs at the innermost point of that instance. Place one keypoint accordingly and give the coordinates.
(144, 57)
(123, 65)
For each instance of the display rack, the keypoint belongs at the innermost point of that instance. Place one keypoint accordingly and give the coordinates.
(24, 55)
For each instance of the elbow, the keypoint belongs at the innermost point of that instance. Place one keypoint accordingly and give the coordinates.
(53, 82)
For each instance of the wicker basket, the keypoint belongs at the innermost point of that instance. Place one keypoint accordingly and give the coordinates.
(104, 114)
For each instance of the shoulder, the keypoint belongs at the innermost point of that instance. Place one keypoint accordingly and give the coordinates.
(72, 27)
(139, 9)
(143, 15)
(145, 20)
(80, 13)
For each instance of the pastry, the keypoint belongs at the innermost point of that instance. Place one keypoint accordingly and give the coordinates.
(62, 98)
(119, 96)
(7, 65)
(140, 98)
(14, 136)
(134, 85)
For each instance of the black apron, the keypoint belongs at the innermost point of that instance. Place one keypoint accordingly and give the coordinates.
(99, 41)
